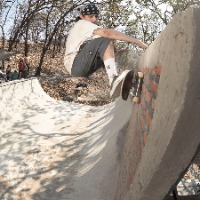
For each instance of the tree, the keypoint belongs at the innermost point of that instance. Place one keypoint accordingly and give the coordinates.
(159, 13)
(54, 19)
(49, 21)
(26, 14)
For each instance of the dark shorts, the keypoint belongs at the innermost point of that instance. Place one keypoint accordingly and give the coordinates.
(90, 57)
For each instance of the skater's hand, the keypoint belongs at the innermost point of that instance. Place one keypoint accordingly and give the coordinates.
(143, 45)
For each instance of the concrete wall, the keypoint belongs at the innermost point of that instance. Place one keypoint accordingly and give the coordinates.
(164, 130)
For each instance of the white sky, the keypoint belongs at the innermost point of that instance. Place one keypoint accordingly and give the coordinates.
(10, 18)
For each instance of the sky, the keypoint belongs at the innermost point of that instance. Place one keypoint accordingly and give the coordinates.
(10, 18)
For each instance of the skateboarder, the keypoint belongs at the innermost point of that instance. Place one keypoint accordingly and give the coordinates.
(90, 46)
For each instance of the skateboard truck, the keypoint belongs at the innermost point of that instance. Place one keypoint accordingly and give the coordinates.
(137, 86)
(130, 83)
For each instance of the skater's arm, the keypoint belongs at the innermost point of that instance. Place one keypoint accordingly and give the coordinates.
(116, 35)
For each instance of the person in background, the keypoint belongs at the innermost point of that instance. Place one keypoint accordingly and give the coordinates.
(8, 73)
(1, 75)
(27, 63)
(1, 72)
(21, 68)
(15, 75)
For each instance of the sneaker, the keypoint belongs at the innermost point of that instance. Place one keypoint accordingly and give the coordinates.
(116, 84)
(115, 77)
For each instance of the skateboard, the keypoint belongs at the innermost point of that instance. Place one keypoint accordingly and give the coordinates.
(136, 88)
(130, 83)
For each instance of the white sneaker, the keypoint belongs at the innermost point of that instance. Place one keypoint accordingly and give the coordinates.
(116, 84)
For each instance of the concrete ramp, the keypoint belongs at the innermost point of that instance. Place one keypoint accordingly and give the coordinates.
(164, 130)
(58, 150)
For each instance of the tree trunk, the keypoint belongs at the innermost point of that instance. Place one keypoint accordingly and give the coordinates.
(39, 68)
(26, 45)
(3, 46)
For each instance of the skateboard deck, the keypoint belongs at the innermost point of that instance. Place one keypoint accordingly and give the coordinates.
(130, 83)
(137, 86)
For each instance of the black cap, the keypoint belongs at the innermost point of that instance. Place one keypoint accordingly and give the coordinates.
(89, 9)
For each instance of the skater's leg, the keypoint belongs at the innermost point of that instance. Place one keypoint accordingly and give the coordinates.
(109, 62)
(109, 53)
(97, 53)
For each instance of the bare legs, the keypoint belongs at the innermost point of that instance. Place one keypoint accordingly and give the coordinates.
(109, 53)
(109, 62)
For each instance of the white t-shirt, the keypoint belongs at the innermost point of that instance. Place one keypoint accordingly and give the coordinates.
(82, 31)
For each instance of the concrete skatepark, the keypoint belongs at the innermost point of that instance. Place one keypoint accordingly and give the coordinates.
(59, 150)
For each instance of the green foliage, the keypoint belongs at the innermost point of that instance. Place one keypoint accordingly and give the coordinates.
(181, 5)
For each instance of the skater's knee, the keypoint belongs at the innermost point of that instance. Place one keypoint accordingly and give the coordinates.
(109, 53)
(110, 45)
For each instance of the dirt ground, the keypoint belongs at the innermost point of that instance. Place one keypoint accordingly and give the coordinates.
(57, 82)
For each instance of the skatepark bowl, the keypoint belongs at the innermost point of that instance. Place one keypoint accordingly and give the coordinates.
(58, 150)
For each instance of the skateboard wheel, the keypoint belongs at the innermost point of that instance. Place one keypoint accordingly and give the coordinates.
(136, 99)
(140, 74)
